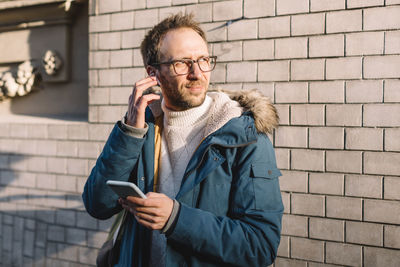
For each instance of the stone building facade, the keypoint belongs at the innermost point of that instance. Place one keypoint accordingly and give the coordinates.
(332, 68)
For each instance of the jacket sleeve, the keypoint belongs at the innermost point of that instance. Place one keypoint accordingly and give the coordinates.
(116, 162)
(249, 234)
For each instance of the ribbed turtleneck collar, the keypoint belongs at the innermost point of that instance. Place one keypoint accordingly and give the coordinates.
(187, 117)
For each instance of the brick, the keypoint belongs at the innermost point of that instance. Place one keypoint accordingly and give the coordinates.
(364, 3)
(283, 262)
(67, 252)
(307, 249)
(243, 29)
(213, 33)
(96, 239)
(286, 202)
(158, 3)
(343, 68)
(311, 115)
(381, 257)
(129, 4)
(326, 45)
(344, 21)
(93, 41)
(293, 181)
(326, 183)
(326, 137)
(99, 132)
(382, 18)
(111, 114)
(392, 2)
(392, 236)
(382, 66)
(131, 39)
(308, 24)
(290, 7)
(18, 131)
(78, 132)
(315, 264)
(76, 236)
(122, 21)
(345, 254)
(66, 183)
(107, 6)
(312, 160)
(343, 115)
(283, 249)
(326, 229)
(99, 96)
(258, 49)
(87, 255)
(120, 95)
(365, 43)
(385, 163)
(287, 136)
(284, 114)
(294, 225)
(56, 233)
(132, 75)
(256, 9)
(168, 11)
(121, 58)
(4, 130)
(99, 23)
(202, 12)
(110, 40)
(363, 186)
(307, 69)
(292, 92)
(100, 59)
(267, 89)
(274, 27)
(364, 233)
(327, 92)
(46, 148)
(110, 77)
(37, 164)
(227, 10)
(344, 161)
(325, 5)
(344, 207)
(291, 47)
(282, 158)
(84, 220)
(364, 91)
(305, 204)
(38, 131)
(228, 51)
(137, 58)
(242, 72)
(93, 78)
(88, 150)
(66, 217)
(392, 188)
(93, 115)
(377, 115)
(392, 42)
(273, 71)
(77, 166)
(28, 244)
(364, 139)
(145, 18)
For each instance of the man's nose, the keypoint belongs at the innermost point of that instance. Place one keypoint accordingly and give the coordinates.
(195, 71)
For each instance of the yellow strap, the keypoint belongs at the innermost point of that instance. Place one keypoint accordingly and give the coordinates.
(157, 149)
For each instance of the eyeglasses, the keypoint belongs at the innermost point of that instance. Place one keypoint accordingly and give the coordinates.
(184, 66)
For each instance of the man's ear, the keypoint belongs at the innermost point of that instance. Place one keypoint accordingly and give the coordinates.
(151, 71)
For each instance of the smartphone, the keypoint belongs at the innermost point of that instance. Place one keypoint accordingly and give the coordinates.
(125, 189)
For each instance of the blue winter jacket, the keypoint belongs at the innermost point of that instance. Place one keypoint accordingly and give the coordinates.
(230, 202)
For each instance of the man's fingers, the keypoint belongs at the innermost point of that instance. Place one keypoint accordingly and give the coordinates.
(141, 86)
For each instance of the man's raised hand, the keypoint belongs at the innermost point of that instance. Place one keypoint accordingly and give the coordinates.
(138, 102)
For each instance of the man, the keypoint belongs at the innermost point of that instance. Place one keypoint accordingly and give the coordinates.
(205, 162)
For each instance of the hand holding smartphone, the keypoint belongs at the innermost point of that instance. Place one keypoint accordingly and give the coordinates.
(125, 189)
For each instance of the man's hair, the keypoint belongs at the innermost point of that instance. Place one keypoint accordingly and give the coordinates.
(150, 46)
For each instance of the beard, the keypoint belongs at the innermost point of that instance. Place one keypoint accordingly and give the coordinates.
(181, 97)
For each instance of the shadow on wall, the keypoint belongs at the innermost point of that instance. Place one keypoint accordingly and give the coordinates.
(42, 226)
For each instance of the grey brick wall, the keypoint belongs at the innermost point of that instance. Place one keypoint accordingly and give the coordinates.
(331, 67)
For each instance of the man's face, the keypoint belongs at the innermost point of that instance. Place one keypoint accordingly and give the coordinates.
(182, 92)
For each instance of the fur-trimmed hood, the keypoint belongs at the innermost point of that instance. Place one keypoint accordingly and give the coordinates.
(265, 115)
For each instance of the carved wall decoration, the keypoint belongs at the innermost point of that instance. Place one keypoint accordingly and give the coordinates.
(52, 62)
(27, 78)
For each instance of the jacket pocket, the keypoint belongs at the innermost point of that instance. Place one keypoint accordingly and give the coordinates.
(266, 185)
